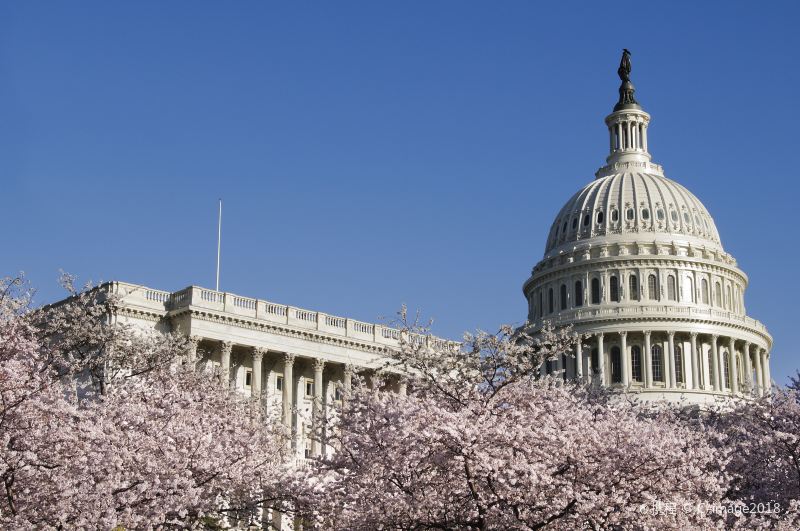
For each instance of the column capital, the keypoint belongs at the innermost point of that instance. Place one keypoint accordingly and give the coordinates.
(647, 333)
(623, 333)
(714, 337)
(288, 358)
(227, 346)
(693, 335)
(670, 334)
(600, 335)
(349, 368)
(319, 364)
(194, 341)
(258, 353)
(746, 347)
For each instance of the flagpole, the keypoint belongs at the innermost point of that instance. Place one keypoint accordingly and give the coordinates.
(219, 240)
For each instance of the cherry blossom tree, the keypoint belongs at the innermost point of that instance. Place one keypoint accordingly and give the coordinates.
(480, 444)
(150, 442)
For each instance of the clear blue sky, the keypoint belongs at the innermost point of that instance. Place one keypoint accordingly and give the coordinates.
(372, 153)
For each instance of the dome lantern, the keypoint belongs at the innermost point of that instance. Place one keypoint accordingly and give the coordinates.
(627, 125)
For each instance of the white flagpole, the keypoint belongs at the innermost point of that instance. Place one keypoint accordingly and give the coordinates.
(219, 239)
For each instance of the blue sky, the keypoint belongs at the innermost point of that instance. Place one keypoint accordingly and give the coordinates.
(372, 153)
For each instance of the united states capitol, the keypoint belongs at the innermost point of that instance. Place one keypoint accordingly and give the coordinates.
(633, 261)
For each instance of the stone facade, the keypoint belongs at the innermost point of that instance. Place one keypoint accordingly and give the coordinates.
(634, 262)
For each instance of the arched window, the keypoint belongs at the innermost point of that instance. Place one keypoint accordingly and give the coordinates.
(600, 218)
(658, 373)
(550, 308)
(616, 365)
(578, 293)
(595, 361)
(563, 296)
(660, 214)
(726, 369)
(717, 295)
(688, 290)
(574, 223)
(614, 289)
(629, 214)
(633, 284)
(729, 300)
(678, 364)
(674, 216)
(704, 290)
(596, 290)
(671, 291)
(587, 219)
(652, 288)
(615, 215)
(636, 363)
(541, 306)
(645, 214)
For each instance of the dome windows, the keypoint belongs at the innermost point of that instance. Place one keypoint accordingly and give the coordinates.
(660, 214)
(563, 296)
(615, 215)
(686, 218)
(578, 293)
(587, 219)
(633, 283)
(629, 214)
(645, 214)
(614, 288)
(652, 288)
(596, 290)
(674, 216)
(600, 217)
(574, 223)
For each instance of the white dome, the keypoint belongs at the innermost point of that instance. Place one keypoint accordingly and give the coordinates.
(633, 206)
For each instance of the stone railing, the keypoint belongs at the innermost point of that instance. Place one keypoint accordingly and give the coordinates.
(650, 312)
(203, 298)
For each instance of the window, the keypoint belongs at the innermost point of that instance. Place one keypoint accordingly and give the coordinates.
(615, 215)
(578, 293)
(726, 368)
(563, 296)
(586, 220)
(652, 288)
(574, 223)
(629, 214)
(645, 213)
(633, 283)
(674, 216)
(600, 218)
(596, 290)
(688, 290)
(616, 365)
(704, 290)
(671, 291)
(678, 364)
(541, 306)
(309, 388)
(658, 374)
(550, 300)
(248, 378)
(717, 294)
(564, 228)
(660, 214)
(729, 301)
(614, 289)
(595, 361)
(697, 221)
(279, 383)
(636, 363)
(686, 218)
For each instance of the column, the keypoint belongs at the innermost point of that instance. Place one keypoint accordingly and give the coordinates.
(747, 385)
(669, 362)
(191, 348)
(759, 373)
(258, 355)
(695, 372)
(767, 373)
(625, 359)
(225, 363)
(288, 382)
(648, 361)
(316, 447)
(716, 369)
(579, 361)
(733, 367)
(601, 358)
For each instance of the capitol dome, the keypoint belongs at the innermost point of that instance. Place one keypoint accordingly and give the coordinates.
(634, 263)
